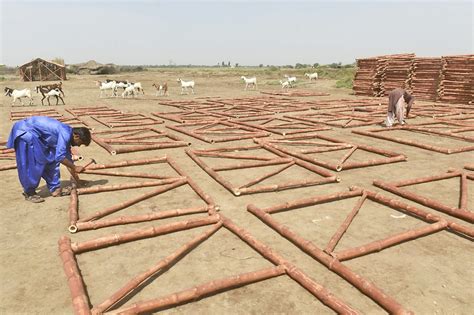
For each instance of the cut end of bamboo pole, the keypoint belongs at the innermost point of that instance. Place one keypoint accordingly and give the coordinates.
(72, 228)
(338, 179)
(236, 192)
(339, 168)
(113, 152)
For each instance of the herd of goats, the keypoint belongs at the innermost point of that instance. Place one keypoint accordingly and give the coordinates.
(131, 89)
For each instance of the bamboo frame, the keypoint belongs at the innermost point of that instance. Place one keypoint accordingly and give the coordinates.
(332, 145)
(287, 127)
(234, 131)
(280, 159)
(460, 212)
(96, 220)
(281, 267)
(332, 260)
(374, 133)
(135, 143)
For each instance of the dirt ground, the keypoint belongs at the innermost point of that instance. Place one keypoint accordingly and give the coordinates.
(429, 275)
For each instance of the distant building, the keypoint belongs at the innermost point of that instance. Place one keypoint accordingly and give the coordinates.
(42, 70)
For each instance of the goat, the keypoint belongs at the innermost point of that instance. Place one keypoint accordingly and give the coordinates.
(104, 86)
(56, 93)
(250, 81)
(312, 76)
(290, 80)
(137, 86)
(129, 90)
(118, 84)
(18, 94)
(185, 85)
(47, 93)
(52, 86)
(285, 84)
(161, 89)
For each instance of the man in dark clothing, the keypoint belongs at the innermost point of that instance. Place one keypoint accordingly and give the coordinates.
(397, 100)
(41, 145)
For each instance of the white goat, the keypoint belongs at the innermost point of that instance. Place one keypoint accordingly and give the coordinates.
(129, 90)
(290, 80)
(249, 81)
(56, 93)
(312, 76)
(18, 94)
(285, 84)
(104, 86)
(185, 85)
(138, 87)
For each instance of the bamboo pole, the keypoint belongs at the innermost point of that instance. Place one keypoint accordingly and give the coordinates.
(124, 174)
(117, 239)
(307, 202)
(200, 291)
(366, 287)
(165, 263)
(73, 206)
(286, 185)
(80, 300)
(379, 245)
(426, 179)
(463, 193)
(128, 163)
(210, 202)
(319, 291)
(94, 225)
(261, 178)
(107, 188)
(275, 161)
(7, 167)
(104, 145)
(345, 225)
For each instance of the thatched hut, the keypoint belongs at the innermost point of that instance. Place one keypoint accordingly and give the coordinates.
(42, 70)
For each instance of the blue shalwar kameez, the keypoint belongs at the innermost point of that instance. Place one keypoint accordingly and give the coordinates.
(40, 144)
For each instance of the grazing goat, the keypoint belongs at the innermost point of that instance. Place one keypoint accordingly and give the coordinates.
(290, 80)
(250, 81)
(104, 86)
(161, 89)
(285, 84)
(185, 85)
(18, 94)
(47, 93)
(129, 90)
(312, 76)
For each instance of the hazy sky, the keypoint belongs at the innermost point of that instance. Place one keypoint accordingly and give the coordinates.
(246, 32)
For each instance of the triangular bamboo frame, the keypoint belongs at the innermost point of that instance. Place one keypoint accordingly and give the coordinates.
(69, 251)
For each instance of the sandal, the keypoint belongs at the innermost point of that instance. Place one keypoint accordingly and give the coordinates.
(33, 198)
(66, 191)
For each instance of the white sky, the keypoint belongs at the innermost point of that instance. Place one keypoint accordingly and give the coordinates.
(247, 32)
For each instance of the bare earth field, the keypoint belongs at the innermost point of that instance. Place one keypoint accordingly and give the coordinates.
(433, 274)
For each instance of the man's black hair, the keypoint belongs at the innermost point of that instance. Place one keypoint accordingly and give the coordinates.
(83, 133)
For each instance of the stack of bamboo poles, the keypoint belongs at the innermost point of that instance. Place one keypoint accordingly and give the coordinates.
(392, 72)
(457, 79)
(364, 76)
(425, 78)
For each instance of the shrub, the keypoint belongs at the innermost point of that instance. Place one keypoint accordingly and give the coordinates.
(107, 70)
